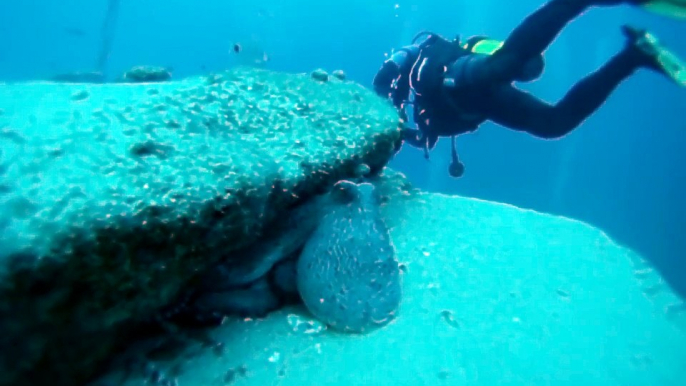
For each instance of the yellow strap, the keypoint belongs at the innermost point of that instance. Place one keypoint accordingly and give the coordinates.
(487, 46)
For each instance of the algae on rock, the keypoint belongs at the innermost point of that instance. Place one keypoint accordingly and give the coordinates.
(111, 201)
(492, 294)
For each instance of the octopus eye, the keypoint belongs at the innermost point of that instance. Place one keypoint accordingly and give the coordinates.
(345, 191)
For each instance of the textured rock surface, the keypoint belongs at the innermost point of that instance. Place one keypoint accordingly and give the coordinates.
(113, 196)
(492, 295)
(145, 74)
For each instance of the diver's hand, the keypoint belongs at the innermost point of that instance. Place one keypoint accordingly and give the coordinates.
(410, 133)
(413, 137)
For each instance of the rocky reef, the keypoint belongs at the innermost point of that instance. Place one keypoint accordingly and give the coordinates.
(113, 196)
(492, 294)
(146, 74)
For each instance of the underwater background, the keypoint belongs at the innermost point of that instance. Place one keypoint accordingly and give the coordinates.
(622, 170)
(131, 214)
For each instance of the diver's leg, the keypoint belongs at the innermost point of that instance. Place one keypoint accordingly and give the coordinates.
(538, 30)
(535, 33)
(519, 110)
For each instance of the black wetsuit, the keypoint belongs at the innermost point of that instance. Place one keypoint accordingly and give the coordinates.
(485, 89)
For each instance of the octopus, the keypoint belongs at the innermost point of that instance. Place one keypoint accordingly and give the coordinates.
(333, 254)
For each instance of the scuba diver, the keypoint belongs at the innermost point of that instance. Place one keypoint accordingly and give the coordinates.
(448, 88)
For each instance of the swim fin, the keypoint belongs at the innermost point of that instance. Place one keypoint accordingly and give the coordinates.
(670, 8)
(663, 60)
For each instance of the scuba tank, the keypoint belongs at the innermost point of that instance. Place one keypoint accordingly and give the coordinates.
(392, 80)
(482, 45)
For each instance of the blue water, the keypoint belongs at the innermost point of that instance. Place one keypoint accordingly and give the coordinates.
(621, 171)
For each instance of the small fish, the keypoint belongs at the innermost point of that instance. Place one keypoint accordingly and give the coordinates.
(251, 53)
(262, 59)
(265, 57)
